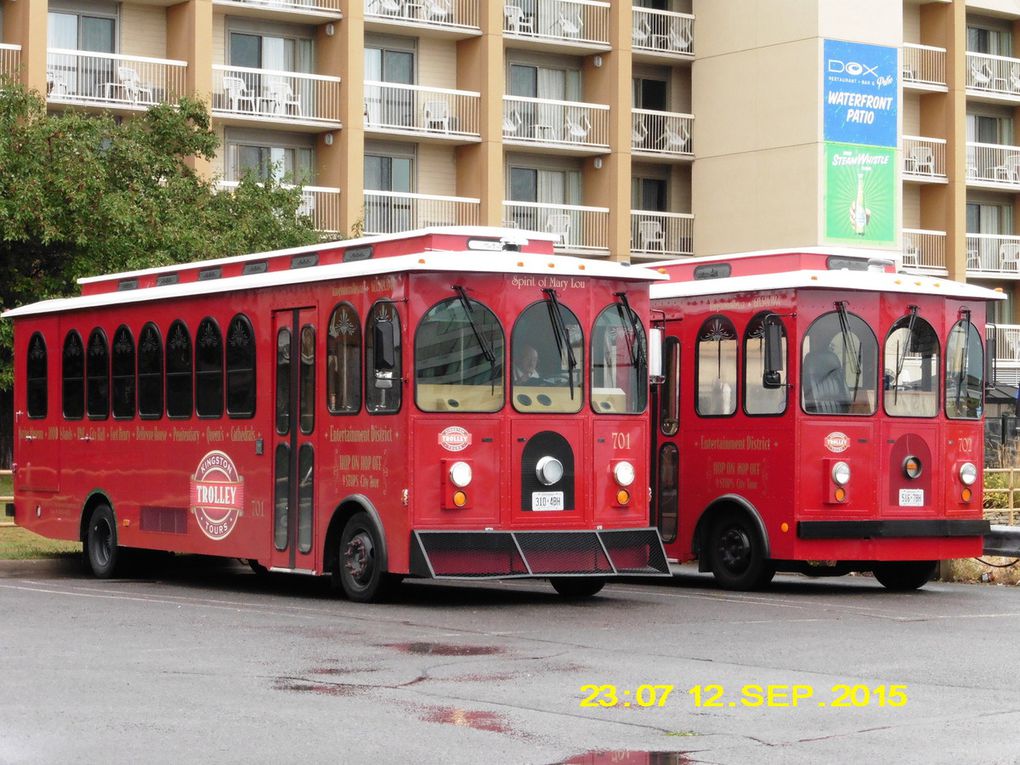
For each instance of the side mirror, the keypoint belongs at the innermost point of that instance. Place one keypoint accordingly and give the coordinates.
(385, 348)
(772, 376)
(655, 356)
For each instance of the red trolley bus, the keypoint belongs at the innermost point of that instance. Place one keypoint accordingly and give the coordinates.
(820, 413)
(449, 403)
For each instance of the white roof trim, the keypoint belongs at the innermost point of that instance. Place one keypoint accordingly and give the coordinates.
(886, 256)
(868, 281)
(562, 266)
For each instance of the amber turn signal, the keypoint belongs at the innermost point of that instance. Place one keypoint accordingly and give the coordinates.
(966, 494)
(459, 498)
(622, 497)
(840, 494)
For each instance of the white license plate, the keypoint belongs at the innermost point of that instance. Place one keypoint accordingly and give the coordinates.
(911, 497)
(547, 500)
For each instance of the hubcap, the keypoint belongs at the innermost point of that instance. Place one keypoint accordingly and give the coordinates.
(359, 557)
(735, 549)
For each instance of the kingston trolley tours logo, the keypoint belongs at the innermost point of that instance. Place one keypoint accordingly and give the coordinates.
(217, 495)
(455, 439)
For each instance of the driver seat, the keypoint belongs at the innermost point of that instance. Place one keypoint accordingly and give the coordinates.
(824, 384)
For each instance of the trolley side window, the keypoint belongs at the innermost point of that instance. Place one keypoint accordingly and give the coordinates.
(547, 356)
(240, 368)
(343, 361)
(669, 399)
(73, 382)
(35, 377)
(209, 369)
(150, 373)
(619, 367)
(965, 366)
(97, 376)
(668, 491)
(717, 367)
(123, 366)
(282, 387)
(839, 366)
(306, 381)
(759, 400)
(911, 377)
(178, 371)
(458, 358)
(383, 368)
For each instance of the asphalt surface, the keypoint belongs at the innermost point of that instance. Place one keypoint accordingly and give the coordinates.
(202, 661)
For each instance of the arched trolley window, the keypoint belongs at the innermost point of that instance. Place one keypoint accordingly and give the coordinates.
(547, 358)
(619, 368)
(97, 376)
(35, 377)
(839, 365)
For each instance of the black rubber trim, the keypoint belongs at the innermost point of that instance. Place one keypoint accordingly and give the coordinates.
(890, 529)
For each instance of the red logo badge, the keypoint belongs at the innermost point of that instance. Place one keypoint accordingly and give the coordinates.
(217, 495)
(837, 442)
(454, 439)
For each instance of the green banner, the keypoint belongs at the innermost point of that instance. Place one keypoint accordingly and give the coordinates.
(860, 194)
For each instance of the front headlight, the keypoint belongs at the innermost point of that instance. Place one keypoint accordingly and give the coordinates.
(549, 470)
(460, 474)
(624, 474)
(968, 473)
(841, 473)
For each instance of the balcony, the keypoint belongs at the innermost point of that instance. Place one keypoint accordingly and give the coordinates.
(453, 19)
(993, 255)
(924, 159)
(924, 250)
(993, 79)
(119, 83)
(309, 102)
(294, 11)
(658, 35)
(565, 24)
(663, 135)
(432, 113)
(582, 230)
(320, 203)
(1007, 352)
(390, 212)
(993, 166)
(543, 123)
(659, 235)
(924, 68)
(10, 60)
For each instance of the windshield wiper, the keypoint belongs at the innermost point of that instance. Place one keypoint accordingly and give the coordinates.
(637, 350)
(561, 334)
(902, 357)
(965, 361)
(844, 328)
(482, 343)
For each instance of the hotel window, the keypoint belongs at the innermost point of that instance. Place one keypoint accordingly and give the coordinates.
(389, 168)
(73, 28)
(389, 60)
(988, 39)
(283, 157)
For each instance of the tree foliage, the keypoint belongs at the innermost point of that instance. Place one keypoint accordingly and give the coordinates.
(85, 194)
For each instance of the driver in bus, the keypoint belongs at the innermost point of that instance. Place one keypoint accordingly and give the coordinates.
(526, 366)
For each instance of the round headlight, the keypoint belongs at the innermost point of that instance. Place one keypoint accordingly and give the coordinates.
(968, 473)
(460, 474)
(841, 473)
(912, 467)
(549, 470)
(623, 472)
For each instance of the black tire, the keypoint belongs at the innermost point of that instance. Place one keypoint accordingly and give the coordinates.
(360, 571)
(737, 553)
(257, 568)
(100, 549)
(577, 587)
(903, 576)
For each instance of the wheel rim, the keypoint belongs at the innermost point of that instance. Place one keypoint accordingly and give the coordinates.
(734, 549)
(102, 542)
(359, 558)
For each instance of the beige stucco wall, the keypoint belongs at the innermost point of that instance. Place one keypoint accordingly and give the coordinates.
(437, 170)
(143, 30)
(437, 63)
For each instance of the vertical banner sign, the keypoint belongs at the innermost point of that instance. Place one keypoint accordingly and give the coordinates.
(861, 102)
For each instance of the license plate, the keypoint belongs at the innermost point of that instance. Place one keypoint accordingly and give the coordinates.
(547, 500)
(911, 497)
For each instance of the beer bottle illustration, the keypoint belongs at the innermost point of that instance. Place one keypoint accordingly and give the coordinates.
(859, 213)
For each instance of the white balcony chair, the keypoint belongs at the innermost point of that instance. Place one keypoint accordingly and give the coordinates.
(437, 116)
(910, 257)
(980, 75)
(438, 11)
(55, 84)
(570, 26)
(973, 260)
(642, 34)
(132, 86)
(1009, 170)
(560, 226)
(516, 21)
(280, 99)
(921, 160)
(676, 139)
(577, 127)
(638, 132)
(651, 236)
(1014, 79)
(390, 7)
(907, 73)
(1009, 256)
(511, 123)
(238, 95)
(679, 38)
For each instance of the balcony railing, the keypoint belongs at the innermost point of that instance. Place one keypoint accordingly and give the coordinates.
(328, 7)
(1007, 352)
(10, 59)
(924, 66)
(661, 234)
(579, 228)
(84, 77)
(996, 75)
(994, 254)
(416, 109)
(268, 94)
(566, 123)
(923, 249)
(661, 133)
(662, 32)
(580, 22)
(439, 13)
(924, 158)
(320, 203)
(390, 212)
(993, 165)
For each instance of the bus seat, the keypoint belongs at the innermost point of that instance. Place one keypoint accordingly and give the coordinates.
(824, 385)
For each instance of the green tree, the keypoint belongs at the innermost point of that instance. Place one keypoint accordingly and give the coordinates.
(85, 194)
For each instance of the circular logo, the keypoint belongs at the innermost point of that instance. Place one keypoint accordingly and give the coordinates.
(454, 439)
(837, 442)
(217, 495)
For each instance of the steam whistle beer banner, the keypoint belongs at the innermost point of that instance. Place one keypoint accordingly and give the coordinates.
(861, 115)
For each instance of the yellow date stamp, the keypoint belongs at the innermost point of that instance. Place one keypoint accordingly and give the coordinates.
(838, 695)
